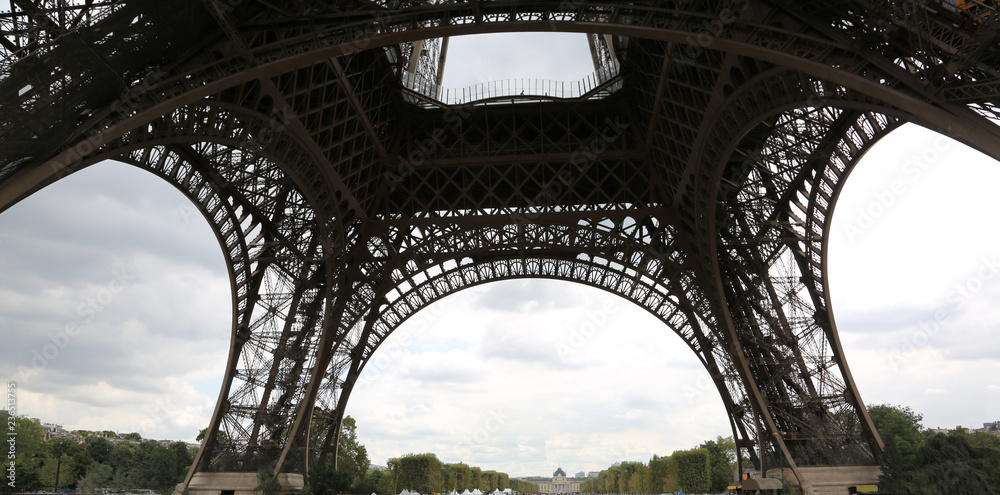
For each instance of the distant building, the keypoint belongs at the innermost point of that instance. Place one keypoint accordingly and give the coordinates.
(581, 474)
(558, 483)
(991, 428)
(593, 474)
(52, 430)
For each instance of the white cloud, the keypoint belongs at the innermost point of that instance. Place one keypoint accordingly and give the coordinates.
(913, 293)
(97, 268)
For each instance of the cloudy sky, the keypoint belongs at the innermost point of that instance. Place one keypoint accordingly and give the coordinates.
(115, 312)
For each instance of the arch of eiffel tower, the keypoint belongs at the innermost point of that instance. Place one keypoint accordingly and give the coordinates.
(694, 173)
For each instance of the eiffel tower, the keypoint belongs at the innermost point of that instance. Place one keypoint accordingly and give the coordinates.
(694, 173)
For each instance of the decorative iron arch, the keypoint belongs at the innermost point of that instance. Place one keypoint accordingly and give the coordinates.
(656, 299)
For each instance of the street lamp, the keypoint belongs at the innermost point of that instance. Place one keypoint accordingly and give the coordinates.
(59, 448)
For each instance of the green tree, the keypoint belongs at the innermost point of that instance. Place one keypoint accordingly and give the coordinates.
(458, 476)
(692, 470)
(950, 463)
(99, 449)
(898, 425)
(59, 469)
(721, 461)
(503, 481)
(448, 478)
(488, 481)
(30, 454)
(161, 470)
(123, 456)
(420, 472)
(386, 484)
(636, 479)
(628, 470)
(183, 457)
(615, 479)
(267, 483)
(325, 480)
(81, 458)
(372, 482)
(924, 463)
(985, 440)
(352, 456)
(523, 486)
(98, 476)
(900, 430)
(663, 474)
(474, 478)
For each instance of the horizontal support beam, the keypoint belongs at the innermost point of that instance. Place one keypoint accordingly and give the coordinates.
(665, 213)
(524, 158)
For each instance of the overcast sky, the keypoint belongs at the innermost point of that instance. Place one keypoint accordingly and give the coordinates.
(115, 311)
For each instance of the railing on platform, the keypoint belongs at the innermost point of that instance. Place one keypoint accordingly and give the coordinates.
(974, 11)
(596, 85)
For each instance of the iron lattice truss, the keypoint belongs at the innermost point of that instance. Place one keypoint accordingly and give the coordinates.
(699, 186)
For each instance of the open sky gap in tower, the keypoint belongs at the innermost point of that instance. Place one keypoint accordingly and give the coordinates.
(493, 57)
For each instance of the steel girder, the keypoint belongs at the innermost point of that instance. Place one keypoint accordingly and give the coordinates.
(272, 251)
(701, 189)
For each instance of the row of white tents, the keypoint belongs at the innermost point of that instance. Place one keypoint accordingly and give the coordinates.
(466, 492)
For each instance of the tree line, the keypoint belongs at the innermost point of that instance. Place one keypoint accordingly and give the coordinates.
(915, 461)
(706, 468)
(65, 464)
(424, 473)
(918, 461)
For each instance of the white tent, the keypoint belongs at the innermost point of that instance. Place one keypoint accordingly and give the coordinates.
(466, 492)
(477, 492)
